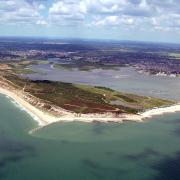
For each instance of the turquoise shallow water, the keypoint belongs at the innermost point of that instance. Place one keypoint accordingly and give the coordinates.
(81, 151)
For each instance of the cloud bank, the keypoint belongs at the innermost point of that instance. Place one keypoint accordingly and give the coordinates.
(142, 15)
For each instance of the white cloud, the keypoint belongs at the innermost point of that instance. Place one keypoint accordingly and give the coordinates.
(41, 7)
(41, 22)
(65, 11)
(105, 6)
(142, 14)
(109, 20)
(13, 11)
(114, 21)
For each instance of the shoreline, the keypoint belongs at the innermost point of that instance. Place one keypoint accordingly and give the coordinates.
(44, 118)
(40, 117)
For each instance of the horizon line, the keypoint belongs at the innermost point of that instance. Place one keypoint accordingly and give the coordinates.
(89, 39)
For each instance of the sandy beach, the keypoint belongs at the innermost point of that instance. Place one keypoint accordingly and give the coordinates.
(41, 117)
(45, 118)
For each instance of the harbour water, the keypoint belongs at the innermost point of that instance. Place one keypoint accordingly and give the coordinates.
(123, 79)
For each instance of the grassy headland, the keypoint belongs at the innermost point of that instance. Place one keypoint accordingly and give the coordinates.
(85, 99)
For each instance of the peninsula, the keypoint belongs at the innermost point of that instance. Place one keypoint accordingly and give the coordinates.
(49, 102)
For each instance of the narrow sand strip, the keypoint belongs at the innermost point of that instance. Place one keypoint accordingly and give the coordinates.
(41, 117)
(160, 111)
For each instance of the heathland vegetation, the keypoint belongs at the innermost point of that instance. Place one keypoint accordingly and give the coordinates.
(84, 99)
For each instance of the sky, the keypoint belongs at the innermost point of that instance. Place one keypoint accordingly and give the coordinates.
(137, 20)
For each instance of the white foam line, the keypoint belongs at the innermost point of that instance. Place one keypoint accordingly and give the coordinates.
(22, 108)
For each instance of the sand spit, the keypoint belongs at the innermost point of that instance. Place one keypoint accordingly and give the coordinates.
(45, 118)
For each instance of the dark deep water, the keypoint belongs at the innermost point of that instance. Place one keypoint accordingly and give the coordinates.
(80, 151)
